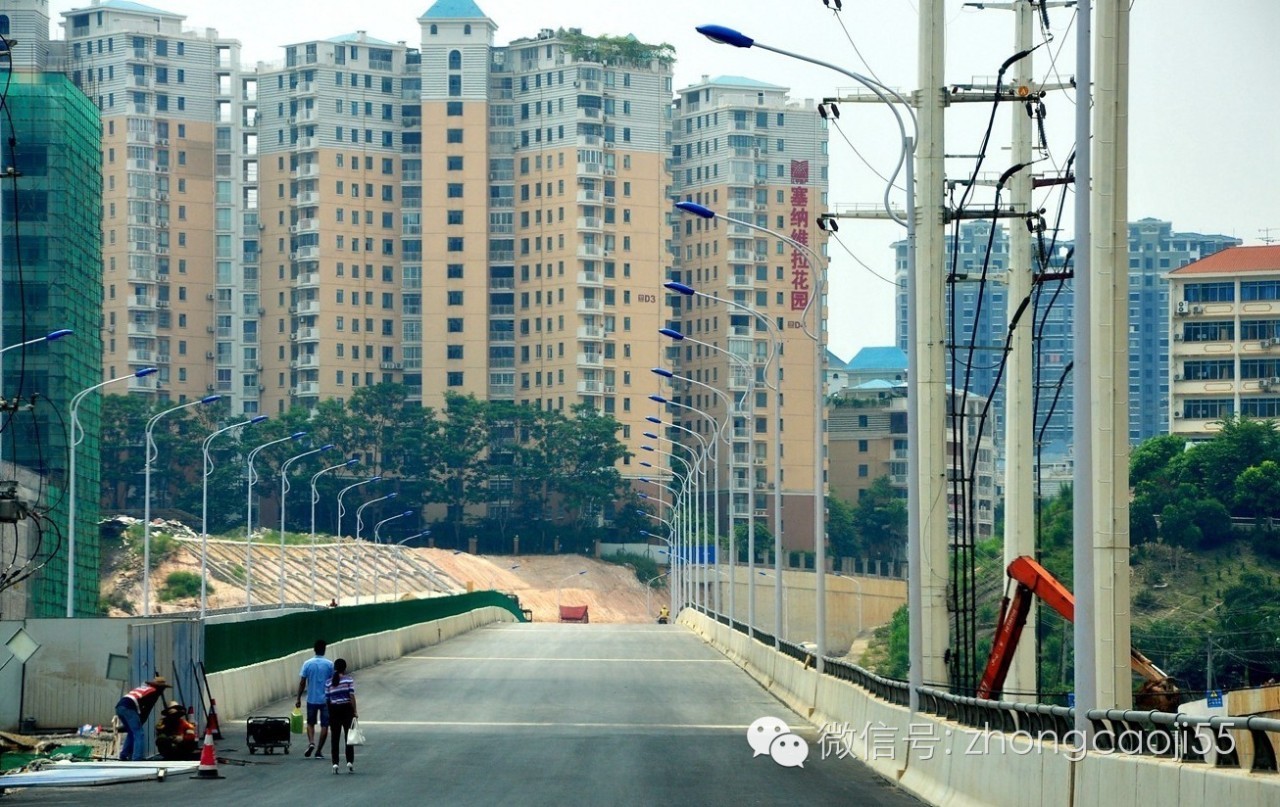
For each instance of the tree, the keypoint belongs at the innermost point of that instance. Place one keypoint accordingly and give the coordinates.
(124, 419)
(842, 531)
(1258, 490)
(880, 519)
(458, 476)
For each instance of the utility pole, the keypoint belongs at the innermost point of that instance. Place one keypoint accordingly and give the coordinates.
(1208, 665)
(930, 553)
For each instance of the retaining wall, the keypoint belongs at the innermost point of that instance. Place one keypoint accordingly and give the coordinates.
(952, 765)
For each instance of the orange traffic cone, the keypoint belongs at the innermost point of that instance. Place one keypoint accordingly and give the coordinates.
(213, 720)
(208, 768)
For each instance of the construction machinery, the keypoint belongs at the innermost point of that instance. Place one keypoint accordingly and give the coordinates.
(1158, 691)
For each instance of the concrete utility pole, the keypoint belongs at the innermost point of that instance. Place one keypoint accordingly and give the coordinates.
(1019, 491)
(1110, 323)
(930, 571)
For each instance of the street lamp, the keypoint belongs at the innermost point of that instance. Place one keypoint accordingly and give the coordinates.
(648, 589)
(690, 500)
(700, 502)
(248, 515)
(784, 625)
(916, 353)
(359, 529)
(204, 508)
(745, 404)
(377, 542)
(775, 356)
(77, 435)
(395, 591)
(560, 585)
(341, 512)
(315, 497)
(151, 452)
(49, 337)
(284, 490)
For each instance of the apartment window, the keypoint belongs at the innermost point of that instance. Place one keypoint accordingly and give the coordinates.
(454, 109)
(455, 298)
(455, 86)
(454, 217)
(453, 136)
(454, 190)
(454, 163)
(455, 271)
(454, 325)
(454, 379)
(453, 352)
(455, 244)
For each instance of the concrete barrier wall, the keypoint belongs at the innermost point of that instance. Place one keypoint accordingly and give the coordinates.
(66, 679)
(242, 691)
(951, 765)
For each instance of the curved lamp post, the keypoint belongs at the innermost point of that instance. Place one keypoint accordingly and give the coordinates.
(378, 542)
(284, 490)
(688, 497)
(560, 585)
(749, 371)
(775, 357)
(700, 503)
(248, 514)
(341, 512)
(315, 497)
(916, 290)
(151, 452)
(395, 591)
(204, 508)
(52, 336)
(359, 528)
(77, 436)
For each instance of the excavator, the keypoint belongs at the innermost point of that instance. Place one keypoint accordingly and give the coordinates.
(1158, 692)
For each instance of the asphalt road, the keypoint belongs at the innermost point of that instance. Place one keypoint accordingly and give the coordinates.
(537, 714)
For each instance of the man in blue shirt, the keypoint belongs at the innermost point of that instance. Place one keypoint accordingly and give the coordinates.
(316, 672)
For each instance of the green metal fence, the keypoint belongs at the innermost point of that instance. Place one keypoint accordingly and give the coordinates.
(238, 644)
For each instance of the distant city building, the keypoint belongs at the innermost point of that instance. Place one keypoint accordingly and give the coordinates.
(1225, 357)
(1154, 249)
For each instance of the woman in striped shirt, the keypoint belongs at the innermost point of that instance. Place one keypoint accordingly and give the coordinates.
(340, 694)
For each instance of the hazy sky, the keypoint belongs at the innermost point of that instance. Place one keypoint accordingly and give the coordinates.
(1204, 114)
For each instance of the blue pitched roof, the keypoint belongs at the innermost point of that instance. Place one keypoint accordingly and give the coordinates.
(355, 37)
(879, 384)
(125, 5)
(878, 358)
(454, 10)
(742, 81)
(834, 362)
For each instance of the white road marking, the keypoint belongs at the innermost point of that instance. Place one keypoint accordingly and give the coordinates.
(556, 724)
(574, 660)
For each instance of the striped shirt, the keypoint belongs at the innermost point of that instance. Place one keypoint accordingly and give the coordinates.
(342, 692)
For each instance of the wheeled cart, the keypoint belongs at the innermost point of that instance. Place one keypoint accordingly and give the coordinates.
(267, 733)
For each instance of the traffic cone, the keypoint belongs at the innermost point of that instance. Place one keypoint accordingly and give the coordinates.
(213, 720)
(208, 768)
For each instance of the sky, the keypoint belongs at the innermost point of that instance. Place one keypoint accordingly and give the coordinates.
(1204, 113)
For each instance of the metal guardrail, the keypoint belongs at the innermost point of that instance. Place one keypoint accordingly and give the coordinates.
(1188, 738)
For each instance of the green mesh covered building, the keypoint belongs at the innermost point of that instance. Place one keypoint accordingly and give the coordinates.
(52, 279)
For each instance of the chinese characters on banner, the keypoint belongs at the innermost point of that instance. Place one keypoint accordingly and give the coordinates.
(800, 234)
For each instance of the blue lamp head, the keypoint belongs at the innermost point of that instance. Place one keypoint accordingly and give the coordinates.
(659, 399)
(406, 513)
(686, 290)
(653, 419)
(297, 435)
(701, 211)
(375, 478)
(352, 461)
(146, 371)
(392, 495)
(58, 334)
(651, 436)
(725, 35)
(648, 448)
(671, 333)
(210, 399)
(257, 419)
(644, 464)
(643, 495)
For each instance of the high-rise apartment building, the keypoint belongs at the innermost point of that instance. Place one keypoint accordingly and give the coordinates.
(180, 236)
(743, 149)
(51, 258)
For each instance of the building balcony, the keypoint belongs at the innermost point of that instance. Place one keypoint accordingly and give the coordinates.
(305, 362)
(590, 387)
(304, 116)
(592, 306)
(145, 302)
(590, 360)
(305, 226)
(742, 256)
(499, 283)
(308, 253)
(141, 357)
(590, 223)
(142, 276)
(139, 138)
(590, 251)
(306, 388)
(306, 308)
(502, 310)
(306, 280)
(587, 197)
(307, 199)
(502, 391)
(306, 171)
(590, 279)
(144, 384)
(305, 88)
(590, 332)
(742, 282)
(307, 335)
(740, 206)
(589, 169)
(305, 143)
(502, 337)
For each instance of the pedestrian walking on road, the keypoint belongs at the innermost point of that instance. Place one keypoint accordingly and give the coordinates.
(341, 695)
(133, 710)
(313, 679)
